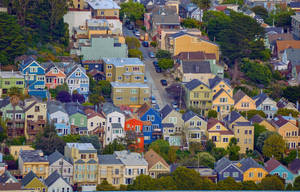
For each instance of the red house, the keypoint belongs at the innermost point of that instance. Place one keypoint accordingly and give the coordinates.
(135, 127)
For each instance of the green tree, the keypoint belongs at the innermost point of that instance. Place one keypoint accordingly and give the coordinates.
(229, 184)
(165, 63)
(71, 138)
(274, 146)
(163, 54)
(172, 155)
(132, 43)
(261, 11)
(93, 139)
(105, 186)
(12, 42)
(190, 23)
(249, 185)
(186, 179)
(287, 112)
(271, 182)
(136, 53)
(161, 147)
(112, 147)
(165, 183)
(261, 139)
(218, 153)
(292, 93)
(251, 113)
(297, 183)
(233, 150)
(141, 183)
(209, 145)
(258, 129)
(212, 114)
(206, 159)
(202, 4)
(105, 88)
(289, 187)
(290, 157)
(133, 10)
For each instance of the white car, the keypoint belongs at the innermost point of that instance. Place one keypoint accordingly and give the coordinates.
(153, 100)
(137, 33)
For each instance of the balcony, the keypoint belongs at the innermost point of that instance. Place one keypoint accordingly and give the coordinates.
(33, 127)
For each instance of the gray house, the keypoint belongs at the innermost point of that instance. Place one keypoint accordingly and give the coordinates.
(62, 165)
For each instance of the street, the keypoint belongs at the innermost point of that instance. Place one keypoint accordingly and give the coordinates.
(153, 78)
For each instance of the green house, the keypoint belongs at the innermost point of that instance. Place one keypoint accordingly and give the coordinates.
(31, 181)
(78, 119)
(9, 79)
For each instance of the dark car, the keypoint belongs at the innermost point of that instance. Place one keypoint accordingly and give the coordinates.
(158, 69)
(145, 43)
(164, 82)
(129, 27)
(155, 63)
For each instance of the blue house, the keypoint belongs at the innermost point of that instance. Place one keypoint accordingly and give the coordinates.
(34, 77)
(152, 128)
(77, 79)
(274, 167)
(226, 168)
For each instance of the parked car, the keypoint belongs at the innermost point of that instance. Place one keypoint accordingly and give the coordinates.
(164, 82)
(151, 55)
(145, 79)
(155, 63)
(158, 69)
(137, 33)
(153, 100)
(129, 27)
(145, 43)
(174, 105)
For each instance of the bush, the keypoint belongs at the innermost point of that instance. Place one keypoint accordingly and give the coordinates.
(136, 53)
(212, 114)
(165, 63)
(153, 44)
(132, 43)
(163, 54)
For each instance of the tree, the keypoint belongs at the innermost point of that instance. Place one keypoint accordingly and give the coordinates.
(212, 114)
(163, 54)
(186, 179)
(202, 4)
(261, 11)
(190, 23)
(274, 146)
(112, 147)
(291, 157)
(64, 97)
(271, 182)
(261, 139)
(165, 183)
(142, 182)
(292, 93)
(258, 129)
(249, 185)
(209, 145)
(297, 183)
(12, 42)
(105, 186)
(71, 138)
(93, 139)
(233, 150)
(165, 63)
(105, 87)
(289, 187)
(161, 147)
(132, 10)
(76, 97)
(132, 43)
(206, 159)
(229, 184)
(287, 112)
(136, 53)
(218, 153)
(251, 113)
(172, 155)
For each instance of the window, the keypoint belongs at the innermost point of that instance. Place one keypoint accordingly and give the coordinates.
(117, 171)
(41, 169)
(259, 174)
(218, 127)
(246, 132)
(109, 119)
(19, 83)
(250, 132)
(214, 138)
(103, 172)
(40, 78)
(223, 100)
(137, 77)
(133, 91)
(115, 13)
(7, 83)
(102, 13)
(251, 174)
(198, 123)
(33, 69)
(119, 78)
(133, 99)
(235, 174)
(83, 156)
(226, 174)
(135, 68)
(108, 74)
(196, 95)
(146, 137)
(119, 98)
(192, 123)
(225, 140)
(206, 95)
(119, 119)
(36, 108)
(109, 66)
(284, 175)
(245, 104)
(92, 124)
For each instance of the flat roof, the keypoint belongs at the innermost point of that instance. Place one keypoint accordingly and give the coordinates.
(11, 74)
(120, 62)
(129, 85)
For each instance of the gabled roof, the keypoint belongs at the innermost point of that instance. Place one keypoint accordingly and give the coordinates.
(213, 82)
(165, 111)
(26, 62)
(294, 166)
(195, 66)
(247, 163)
(52, 178)
(259, 98)
(56, 156)
(238, 96)
(6, 176)
(190, 114)
(32, 156)
(153, 158)
(90, 113)
(293, 56)
(212, 122)
(285, 44)
(143, 109)
(73, 108)
(222, 163)
(28, 178)
(272, 164)
(219, 93)
(256, 119)
(232, 116)
(108, 107)
(193, 84)
(279, 121)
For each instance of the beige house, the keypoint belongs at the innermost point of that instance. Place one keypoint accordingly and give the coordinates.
(194, 127)
(94, 120)
(156, 164)
(243, 131)
(171, 116)
(111, 169)
(14, 150)
(104, 8)
(243, 102)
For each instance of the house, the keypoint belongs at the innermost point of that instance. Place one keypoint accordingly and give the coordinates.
(90, 65)
(31, 181)
(185, 42)
(134, 128)
(243, 102)
(156, 164)
(273, 36)
(115, 120)
(77, 79)
(288, 130)
(198, 95)
(95, 120)
(104, 8)
(56, 182)
(13, 116)
(289, 57)
(134, 165)
(127, 70)
(252, 171)
(34, 77)
(295, 24)
(294, 166)
(262, 121)
(60, 164)
(54, 75)
(110, 169)
(57, 115)
(281, 45)
(283, 103)
(35, 117)
(196, 14)
(114, 26)
(75, 17)
(14, 150)
(243, 131)
(9, 79)
(33, 160)
(154, 130)
(274, 167)
(172, 122)
(194, 127)
(13, 187)
(77, 117)
(85, 162)
(266, 104)
(226, 168)
(219, 133)
(6, 177)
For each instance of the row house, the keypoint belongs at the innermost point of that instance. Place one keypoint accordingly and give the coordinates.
(10, 79)
(156, 164)
(266, 104)
(134, 131)
(31, 181)
(96, 122)
(242, 102)
(58, 116)
(77, 117)
(54, 74)
(104, 9)
(263, 122)
(274, 167)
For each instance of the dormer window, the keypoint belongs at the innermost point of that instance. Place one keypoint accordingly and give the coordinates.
(77, 74)
(33, 69)
(55, 71)
(218, 127)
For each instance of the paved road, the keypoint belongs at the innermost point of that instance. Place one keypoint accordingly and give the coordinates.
(153, 78)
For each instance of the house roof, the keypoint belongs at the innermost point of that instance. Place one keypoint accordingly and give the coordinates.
(54, 106)
(279, 121)
(102, 4)
(196, 66)
(10, 187)
(260, 98)
(247, 163)
(280, 36)
(28, 178)
(283, 102)
(56, 156)
(274, 29)
(52, 178)
(108, 107)
(272, 164)
(295, 5)
(165, 111)
(193, 84)
(247, 123)
(213, 82)
(199, 55)
(130, 158)
(294, 166)
(238, 96)
(121, 62)
(143, 109)
(222, 163)
(153, 158)
(90, 113)
(26, 62)
(232, 116)
(6, 176)
(256, 119)
(72, 108)
(166, 19)
(219, 93)
(32, 156)
(82, 147)
(212, 122)
(109, 159)
(293, 56)
(190, 114)
(285, 44)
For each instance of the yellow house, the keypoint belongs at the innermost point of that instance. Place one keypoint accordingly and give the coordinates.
(243, 130)
(217, 83)
(219, 133)
(185, 42)
(14, 150)
(98, 30)
(243, 102)
(104, 8)
(195, 126)
(252, 171)
(222, 103)
(31, 181)
(156, 164)
(85, 162)
(261, 121)
(33, 160)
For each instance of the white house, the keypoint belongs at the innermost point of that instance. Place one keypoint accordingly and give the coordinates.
(59, 163)
(57, 113)
(266, 104)
(94, 120)
(196, 14)
(56, 183)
